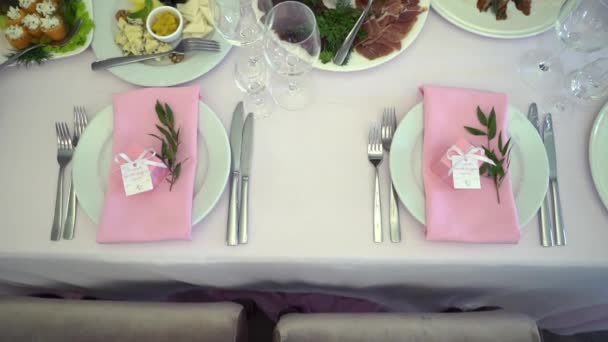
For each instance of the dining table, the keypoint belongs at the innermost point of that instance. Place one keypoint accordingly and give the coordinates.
(311, 199)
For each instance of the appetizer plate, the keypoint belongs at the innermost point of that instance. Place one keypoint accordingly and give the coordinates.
(598, 158)
(464, 14)
(6, 48)
(143, 74)
(94, 155)
(529, 165)
(357, 62)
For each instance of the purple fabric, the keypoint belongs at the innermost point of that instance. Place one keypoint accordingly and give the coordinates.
(273, 304)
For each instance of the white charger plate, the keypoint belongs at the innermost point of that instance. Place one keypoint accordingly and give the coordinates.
(464, 14)
(94, 155)
(149, 74)
(357, 62)
(529, 164)
(598, 157)
(5, 47)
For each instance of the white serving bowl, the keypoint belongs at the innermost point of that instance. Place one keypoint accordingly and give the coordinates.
(173, 36)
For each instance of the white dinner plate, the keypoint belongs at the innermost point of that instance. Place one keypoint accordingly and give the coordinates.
(598, 157)
(529, 164)
(149, 74)
(94, 155)
(357, 62)
(464, 14)
(6, 48)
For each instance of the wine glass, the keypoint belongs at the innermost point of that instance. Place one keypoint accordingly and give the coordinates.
(591, 81)
(582, 25)
(291, 46)
(239, 24)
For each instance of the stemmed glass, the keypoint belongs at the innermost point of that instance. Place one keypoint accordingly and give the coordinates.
(291, 46)
(240, 25)
(582, 25)
(591, 81)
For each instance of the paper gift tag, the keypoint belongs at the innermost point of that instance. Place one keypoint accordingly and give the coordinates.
(465, 173)
(136, 178)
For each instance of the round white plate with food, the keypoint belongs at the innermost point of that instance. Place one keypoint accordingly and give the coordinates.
(529, 165)
(87, 9)
(411, 21)
(94, 155)
(598, 158)
(149, 74)
(466, 15)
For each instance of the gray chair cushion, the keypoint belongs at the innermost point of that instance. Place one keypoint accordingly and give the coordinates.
(36, 319)
(495, 326)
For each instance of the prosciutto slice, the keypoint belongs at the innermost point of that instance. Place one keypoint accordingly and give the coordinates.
(387, 25)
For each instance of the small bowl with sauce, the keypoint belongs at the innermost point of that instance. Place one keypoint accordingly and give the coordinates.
(165, 23)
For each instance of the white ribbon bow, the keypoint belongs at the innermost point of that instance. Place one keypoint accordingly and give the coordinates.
(456, 153)
(143, 158)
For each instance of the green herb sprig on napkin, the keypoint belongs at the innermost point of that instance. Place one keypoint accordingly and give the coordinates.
(498, 171)
(169, 140)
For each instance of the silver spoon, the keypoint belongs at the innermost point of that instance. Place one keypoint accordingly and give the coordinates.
(62, 42)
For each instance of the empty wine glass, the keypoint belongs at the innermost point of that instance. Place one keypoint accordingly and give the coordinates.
(291, 46)
(591, 81)
(238, 23)
(582, 25)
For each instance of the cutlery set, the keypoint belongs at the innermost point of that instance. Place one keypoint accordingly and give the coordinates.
(552, 232)
(380, 139)
(65, 150)
(241, 144)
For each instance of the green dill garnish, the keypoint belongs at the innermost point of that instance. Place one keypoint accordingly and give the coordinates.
(38, 56)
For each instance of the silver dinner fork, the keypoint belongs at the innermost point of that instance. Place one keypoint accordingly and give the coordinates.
(389, 124)
(184, 46)
(375, 154)
(64, 155)
(80, 123)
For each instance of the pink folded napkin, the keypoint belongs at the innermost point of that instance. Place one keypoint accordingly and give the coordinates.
(158, 214)
(464, 215)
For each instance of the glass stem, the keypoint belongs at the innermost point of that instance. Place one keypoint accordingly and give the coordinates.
(545, 64)
(293, 86)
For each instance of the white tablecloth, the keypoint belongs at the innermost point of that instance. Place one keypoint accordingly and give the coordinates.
(311, 195)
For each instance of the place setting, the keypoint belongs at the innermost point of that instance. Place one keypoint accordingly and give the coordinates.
(478, 177)
(152, 165)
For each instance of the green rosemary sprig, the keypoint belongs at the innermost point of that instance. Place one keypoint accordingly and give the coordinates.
(498, 171)
(169, 140)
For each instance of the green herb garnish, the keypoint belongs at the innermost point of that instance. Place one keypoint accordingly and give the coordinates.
(334, 26)
(38, 56)
(143, 13)
(169, 140)
(498, 171)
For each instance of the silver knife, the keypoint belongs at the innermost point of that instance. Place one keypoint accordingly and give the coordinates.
(560, 232)
(236, 137)
(246, 152)
(546, 226)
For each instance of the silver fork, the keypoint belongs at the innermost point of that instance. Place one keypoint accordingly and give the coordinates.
(185, 45)
(389, 124)
(64, 155)
(80, 123)
(374, 154)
